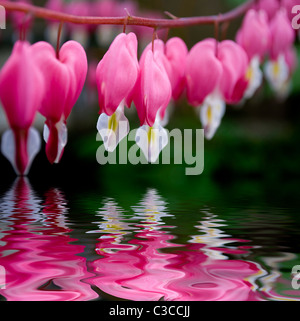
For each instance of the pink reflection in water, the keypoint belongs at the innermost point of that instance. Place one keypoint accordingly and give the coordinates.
(150, 266)
(210, 279)
(39, 261)
(139, 257)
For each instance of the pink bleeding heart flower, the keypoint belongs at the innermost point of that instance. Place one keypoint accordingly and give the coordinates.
(173, 55)
(254, 35)
(176, 52)
(203, 77)
(151, 97)
(282, 33)
(116, 76)
(215, 75)
(254, 38)
(203, 71)
(64, 79)
(235, 63)
(282, 39)
(153, 91)
(117, 72)
(21, 93)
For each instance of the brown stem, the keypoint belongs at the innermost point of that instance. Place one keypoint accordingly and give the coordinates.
(125, 24)
(138, 21)
(58, 39)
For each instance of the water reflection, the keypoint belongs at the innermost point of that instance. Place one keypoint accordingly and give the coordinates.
(273, 284)
(39, 261)
(152, 266)
(111, 223)
(135, 269)
(215, 242)
(209, 273)
(142, 253)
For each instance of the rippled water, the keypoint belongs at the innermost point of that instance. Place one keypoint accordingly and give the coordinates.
(95, 247)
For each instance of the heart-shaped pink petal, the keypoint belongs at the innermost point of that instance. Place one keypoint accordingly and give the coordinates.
(153, 90)
(203, 71)
(234, 61)
(117, 72)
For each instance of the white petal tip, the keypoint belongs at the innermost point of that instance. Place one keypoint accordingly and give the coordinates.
(8, 148)
(152, 140)
(113, 129)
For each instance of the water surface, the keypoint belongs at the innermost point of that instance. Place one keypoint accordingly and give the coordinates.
(151, 246)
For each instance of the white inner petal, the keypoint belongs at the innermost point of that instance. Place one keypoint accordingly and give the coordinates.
(8, 147)
(211, 114)
(62, 137)
(277, 73)
(113, 128)
(152, 140)
(255, 77)
(46, 133)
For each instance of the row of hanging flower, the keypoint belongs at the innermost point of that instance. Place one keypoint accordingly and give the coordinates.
(36, 78)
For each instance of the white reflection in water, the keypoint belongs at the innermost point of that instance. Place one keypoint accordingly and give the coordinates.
(215, 241)
(270, 280)
(20, 198)
(152, 208)
(137, 269)
(112, 221)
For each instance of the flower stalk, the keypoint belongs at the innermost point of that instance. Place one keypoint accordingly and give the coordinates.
(45, 13)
